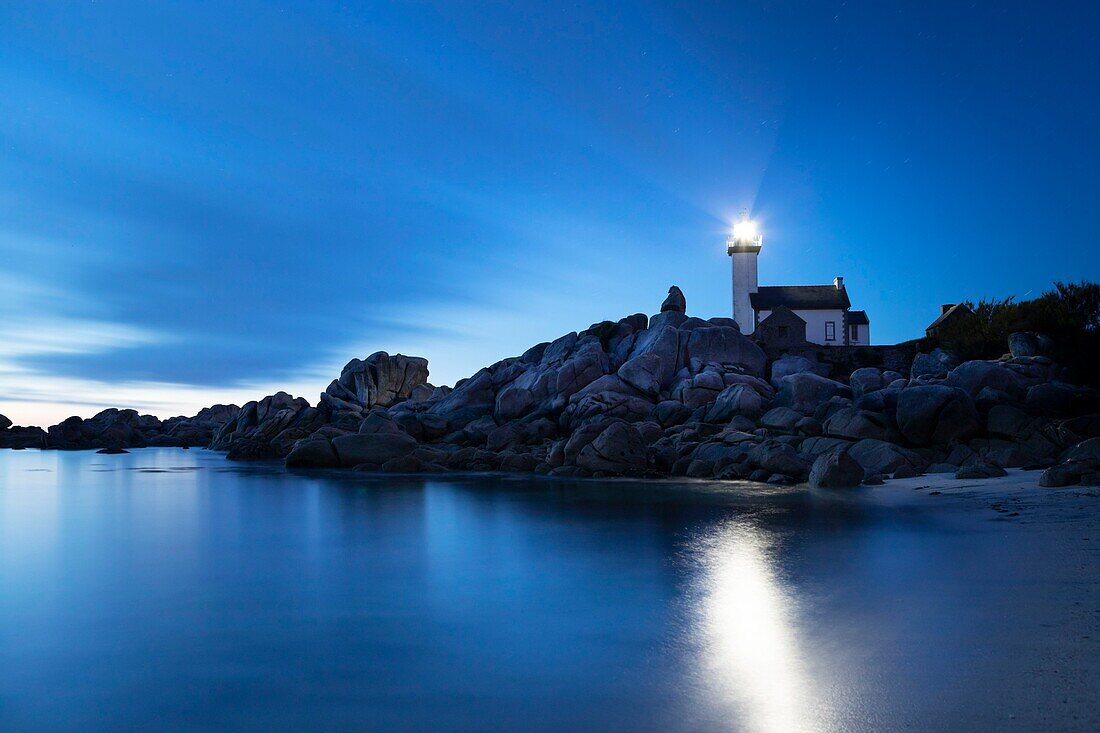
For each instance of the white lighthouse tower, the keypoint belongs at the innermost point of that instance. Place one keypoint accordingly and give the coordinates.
(743, 247)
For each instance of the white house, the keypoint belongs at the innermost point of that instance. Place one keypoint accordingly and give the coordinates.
(825, 309)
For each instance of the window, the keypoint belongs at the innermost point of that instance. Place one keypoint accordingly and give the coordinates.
(830, 330)
(784, 331)
(855, 331)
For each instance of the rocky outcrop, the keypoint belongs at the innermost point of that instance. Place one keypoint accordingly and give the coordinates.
(667, 395)
(835, 469)
(675, 301)
(113, 429)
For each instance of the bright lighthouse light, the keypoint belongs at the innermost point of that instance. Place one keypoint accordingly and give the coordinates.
(744, 231)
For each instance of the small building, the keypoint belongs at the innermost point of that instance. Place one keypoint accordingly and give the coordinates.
(825, 310)
(859, 328)
(783, 328)
(950, 314)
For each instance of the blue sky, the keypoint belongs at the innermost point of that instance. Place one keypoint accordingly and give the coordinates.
(204, 202)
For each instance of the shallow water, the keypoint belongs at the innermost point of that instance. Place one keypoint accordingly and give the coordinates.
(171, 589)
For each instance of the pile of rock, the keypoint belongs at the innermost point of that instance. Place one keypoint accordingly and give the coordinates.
(668, 395)
(115, 430)
(673, 395)
(270, 427)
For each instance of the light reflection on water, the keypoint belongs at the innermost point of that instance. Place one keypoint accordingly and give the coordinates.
(751, 655)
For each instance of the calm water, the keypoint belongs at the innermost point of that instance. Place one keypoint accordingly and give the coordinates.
(170, 589)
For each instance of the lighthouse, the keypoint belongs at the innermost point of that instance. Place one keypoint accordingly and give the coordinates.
(743, 247)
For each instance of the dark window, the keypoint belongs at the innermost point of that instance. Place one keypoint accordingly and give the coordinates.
(855, 332)
(830, 330)
(784, 331)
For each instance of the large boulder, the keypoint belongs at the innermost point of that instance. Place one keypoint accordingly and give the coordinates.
(1028, 344)
(789, 364)
(856, 424)
(661, 346)
(936, 415)
(804, 391)
(866, 380)
(782, 419)
(724, 345)
(610, 447)
(879, 456)
(312, 453)
(471, 399)
(738, 399)
(1063, 400)
(937, 364)
(379, 380)
(644, 373)
(587, 364)
(778, 457)
(835, 469)
(675, 301)
(512, 402)
(5, 423)
(372, 448)
(974, 376)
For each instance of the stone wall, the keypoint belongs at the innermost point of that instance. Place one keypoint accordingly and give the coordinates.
(843, 360)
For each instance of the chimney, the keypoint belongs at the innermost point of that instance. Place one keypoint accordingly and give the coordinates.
(946, 307)
(839, 283)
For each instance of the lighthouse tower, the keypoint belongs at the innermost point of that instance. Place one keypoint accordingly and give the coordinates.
(743, 247)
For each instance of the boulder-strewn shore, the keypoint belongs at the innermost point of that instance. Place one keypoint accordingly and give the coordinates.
(667, 395)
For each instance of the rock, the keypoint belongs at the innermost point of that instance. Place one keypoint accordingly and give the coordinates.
(809, 426)
(855, 424)
(513, 402)
(644, 373)
(585, 366)
(519, 463)
(726, 346)
(739, 399)
(1068, 473)
(1027, 344)
(112, 451)
(815, 446)
(379, 380)
(789, 364)
(617, 448)
(781, 418)
(973, 376)
(312, 453)
(979, 468)
(1062, 400)
(675, 302)
(803, 392)
(866, 380)
(937, 364)
(1008, 422)
(777, 457)
(1086, 450)
(403, 464)
(907, 471)
(835, 469)
(936, 415)
(942, 468)
(375, 448)
(878, 456)
(5, 423)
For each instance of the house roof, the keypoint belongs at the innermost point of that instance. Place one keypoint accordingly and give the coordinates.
(858, 318)
(957, 309)
(802, 297)
(783, 313)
